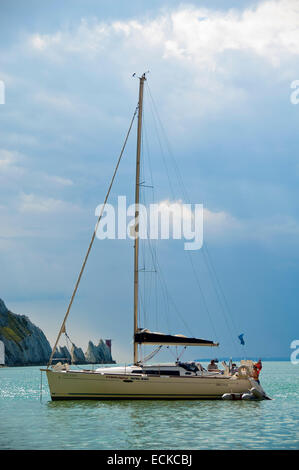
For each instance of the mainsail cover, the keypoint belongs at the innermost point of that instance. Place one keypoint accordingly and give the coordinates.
(148, 337)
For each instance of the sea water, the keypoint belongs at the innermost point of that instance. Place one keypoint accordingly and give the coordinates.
(30, 420)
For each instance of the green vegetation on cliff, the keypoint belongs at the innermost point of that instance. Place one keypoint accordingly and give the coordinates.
(26, 344)
(16, 329)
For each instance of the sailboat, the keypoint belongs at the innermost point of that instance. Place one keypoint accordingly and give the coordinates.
(141, 380)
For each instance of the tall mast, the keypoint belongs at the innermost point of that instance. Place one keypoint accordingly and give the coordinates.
(137, 186)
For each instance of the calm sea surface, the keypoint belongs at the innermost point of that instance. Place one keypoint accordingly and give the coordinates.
(27, 423)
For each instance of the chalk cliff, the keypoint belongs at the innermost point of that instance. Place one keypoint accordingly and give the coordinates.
(26, 344)
(99, 354)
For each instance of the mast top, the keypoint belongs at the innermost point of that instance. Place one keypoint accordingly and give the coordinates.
(143, 76)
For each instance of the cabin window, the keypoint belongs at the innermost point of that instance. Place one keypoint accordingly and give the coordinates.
(162, 372)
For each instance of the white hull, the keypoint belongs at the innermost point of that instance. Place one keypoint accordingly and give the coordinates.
(73, 385)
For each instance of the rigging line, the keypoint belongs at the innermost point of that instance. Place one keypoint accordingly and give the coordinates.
(70, 350)
(176, 167)
(225, 302)
(182, 352)
(149, 158)
(202, 294)
(141, 308)
(141, 285)
(160, 144)
(142, 245)
(68, 346)
(180, 180)
(152, 354)
(151, 245)
(146, 289)
(157, 267)
(223, 306)
(165, 292)
(168, 296)
(171, 352)
(165, 299)
(186, 195)
(207, 254)
(92, 238)
(149, 289)
(157, 289)
(164, 285)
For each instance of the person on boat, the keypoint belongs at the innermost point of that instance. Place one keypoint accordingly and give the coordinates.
(259, 365)
(200, 367)
(234, 368)
(212, 366)
(255, 374)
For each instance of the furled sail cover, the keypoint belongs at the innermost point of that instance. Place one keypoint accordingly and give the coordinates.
(149, 337)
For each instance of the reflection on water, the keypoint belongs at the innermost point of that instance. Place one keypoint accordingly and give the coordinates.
(27, 423)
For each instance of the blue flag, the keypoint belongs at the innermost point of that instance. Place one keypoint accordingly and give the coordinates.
(241, 339)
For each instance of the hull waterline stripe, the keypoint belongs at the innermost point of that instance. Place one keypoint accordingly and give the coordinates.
(135, 395)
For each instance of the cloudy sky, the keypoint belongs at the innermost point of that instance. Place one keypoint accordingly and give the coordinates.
(217, 106)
